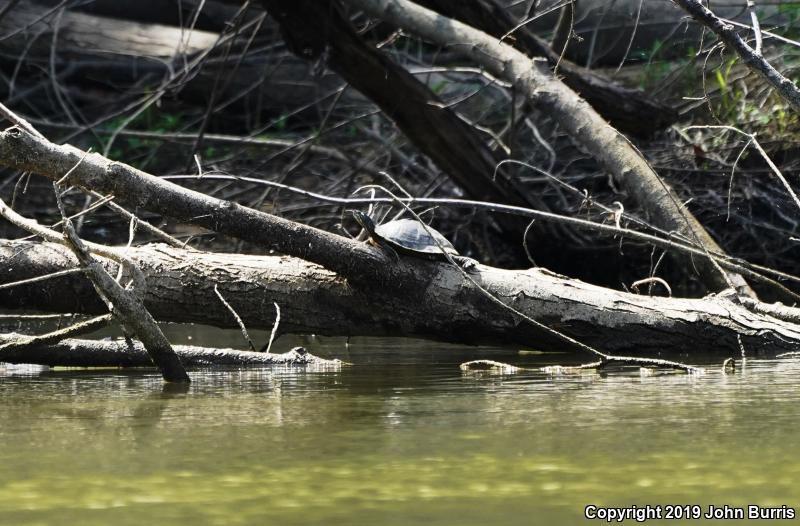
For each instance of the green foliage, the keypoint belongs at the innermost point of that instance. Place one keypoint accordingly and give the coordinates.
(438, 87)
(730, 96)
(281, 123)
(657, 70)
(136, 150)
(734, 107)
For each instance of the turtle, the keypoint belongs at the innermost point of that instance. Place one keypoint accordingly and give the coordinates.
(409, 236)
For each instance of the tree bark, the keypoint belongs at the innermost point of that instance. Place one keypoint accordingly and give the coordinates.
(439, 304)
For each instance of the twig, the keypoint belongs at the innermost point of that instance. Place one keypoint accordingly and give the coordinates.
(275, 325)
(752, 140)
(636, 284)
(260, 142)
(238, 319)
(160, 234)
(83, 327)
(67, 272)
(756, 26)
(18, 121)
(49, 235)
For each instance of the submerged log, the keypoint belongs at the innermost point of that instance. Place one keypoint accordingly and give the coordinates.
(440, 303)
(117, 353)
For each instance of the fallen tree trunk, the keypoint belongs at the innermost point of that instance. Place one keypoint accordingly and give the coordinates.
(441, 304)
(117, 353)
(84, 34)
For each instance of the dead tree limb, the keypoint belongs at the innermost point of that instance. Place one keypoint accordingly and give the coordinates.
(623, 107)
(129, 309)
(609, 147)
(437, 303)
(96, 49)
(24, 341)
(85, 33)
(358, 263)
(787, 89)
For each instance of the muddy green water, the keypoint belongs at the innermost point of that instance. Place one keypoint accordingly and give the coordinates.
(401, 438)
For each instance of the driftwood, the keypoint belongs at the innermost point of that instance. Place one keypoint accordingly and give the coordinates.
(117, 353)
(363, 291)
(360, 264)
(353, 260)
(127, 307)
(435, 301)
(368, 292)
(213, 15)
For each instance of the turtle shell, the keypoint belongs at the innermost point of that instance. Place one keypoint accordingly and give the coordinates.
(411, 236)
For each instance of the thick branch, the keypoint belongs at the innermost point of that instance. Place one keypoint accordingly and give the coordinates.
(87, 34)
(128, 308)
(98, 49)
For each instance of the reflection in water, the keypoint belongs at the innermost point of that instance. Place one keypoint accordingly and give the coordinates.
(417, 442)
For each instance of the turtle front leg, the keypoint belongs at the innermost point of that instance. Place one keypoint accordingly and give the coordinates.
(386, 247)
(468, 264)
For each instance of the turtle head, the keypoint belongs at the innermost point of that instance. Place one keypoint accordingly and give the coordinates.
(365, 221)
